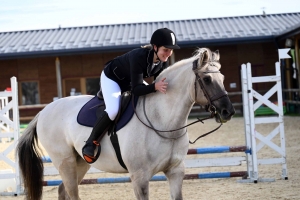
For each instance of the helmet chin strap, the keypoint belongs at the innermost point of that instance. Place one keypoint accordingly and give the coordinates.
(157, 58)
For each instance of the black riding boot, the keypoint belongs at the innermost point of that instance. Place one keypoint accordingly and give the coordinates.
(100, 127)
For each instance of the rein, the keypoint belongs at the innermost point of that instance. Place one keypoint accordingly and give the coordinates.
(174, 138)
(210, 108)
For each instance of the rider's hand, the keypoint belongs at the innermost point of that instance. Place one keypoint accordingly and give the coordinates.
(161, 86)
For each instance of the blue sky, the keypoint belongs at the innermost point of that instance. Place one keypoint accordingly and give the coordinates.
(18, 15)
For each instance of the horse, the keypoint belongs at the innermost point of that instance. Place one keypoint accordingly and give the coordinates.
(146, 145)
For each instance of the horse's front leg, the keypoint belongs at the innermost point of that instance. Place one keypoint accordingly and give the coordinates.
(175, 177)
(140, 182)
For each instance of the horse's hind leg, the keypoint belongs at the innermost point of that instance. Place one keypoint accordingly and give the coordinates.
(175, 177)
(72, 171)
(140, 183)
(62, 195)
(82, 167)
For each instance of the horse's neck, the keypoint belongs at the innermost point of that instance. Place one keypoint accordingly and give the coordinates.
(171, 110)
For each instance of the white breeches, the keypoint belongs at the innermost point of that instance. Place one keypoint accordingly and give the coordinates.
(112, 94)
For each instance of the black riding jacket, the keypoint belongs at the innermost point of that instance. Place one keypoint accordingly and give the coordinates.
(130, 69)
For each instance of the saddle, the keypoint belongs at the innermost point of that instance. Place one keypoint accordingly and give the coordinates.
(89, 113)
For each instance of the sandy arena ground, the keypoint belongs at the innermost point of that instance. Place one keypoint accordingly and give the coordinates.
(231, 134)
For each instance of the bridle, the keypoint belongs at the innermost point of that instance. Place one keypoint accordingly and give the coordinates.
(209, 107)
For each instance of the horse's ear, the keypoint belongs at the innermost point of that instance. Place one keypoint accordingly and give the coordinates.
(216, 55)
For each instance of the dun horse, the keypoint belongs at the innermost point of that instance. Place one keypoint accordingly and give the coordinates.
(145, 151)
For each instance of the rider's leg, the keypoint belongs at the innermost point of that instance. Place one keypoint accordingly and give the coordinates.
(111, 94)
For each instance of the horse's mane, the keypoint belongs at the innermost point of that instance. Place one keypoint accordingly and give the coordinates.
(186, 60)
(196, 54)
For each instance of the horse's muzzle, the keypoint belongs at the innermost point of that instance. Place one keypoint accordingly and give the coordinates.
(224, 115)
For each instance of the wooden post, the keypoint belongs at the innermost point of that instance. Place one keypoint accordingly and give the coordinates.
(83, 86)
(172, 58)
(288, 77)
(297, 61)
(58, 78)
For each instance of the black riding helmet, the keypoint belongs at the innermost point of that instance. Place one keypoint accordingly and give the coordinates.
(164, 37)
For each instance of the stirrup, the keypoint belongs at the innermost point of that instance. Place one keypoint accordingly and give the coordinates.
(92, 159)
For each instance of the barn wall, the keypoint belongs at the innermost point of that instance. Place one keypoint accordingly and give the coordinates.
(262, 56)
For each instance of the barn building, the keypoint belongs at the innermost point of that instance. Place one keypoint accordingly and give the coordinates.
(55, 63)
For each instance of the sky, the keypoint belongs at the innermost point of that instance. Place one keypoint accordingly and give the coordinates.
(18, 15)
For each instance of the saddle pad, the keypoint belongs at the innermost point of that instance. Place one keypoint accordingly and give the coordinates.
(87, 115)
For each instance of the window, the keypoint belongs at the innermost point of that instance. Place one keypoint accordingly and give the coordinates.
(30, 93)
(92, 86)
(78, 86)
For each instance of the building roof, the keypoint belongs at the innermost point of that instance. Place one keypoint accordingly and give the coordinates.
(114, 37)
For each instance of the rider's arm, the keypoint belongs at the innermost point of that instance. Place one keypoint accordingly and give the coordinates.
(137, 85)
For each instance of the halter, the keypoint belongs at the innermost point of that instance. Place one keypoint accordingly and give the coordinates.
(210, 108)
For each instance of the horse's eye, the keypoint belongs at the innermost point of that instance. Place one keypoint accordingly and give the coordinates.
(207, 80)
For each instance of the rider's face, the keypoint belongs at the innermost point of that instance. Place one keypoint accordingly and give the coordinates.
(163, 53)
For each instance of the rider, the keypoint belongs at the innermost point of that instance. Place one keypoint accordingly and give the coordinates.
(126, 72)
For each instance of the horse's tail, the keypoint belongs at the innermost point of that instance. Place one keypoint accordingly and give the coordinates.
(30, 162)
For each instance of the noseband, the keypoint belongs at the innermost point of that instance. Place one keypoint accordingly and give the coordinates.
(210, 107)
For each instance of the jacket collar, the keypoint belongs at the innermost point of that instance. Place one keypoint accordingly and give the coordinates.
(150, 62)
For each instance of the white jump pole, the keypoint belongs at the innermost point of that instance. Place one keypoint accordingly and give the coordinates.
(252, 135)
(13, 132)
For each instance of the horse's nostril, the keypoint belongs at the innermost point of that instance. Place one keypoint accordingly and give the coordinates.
(225, 112)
